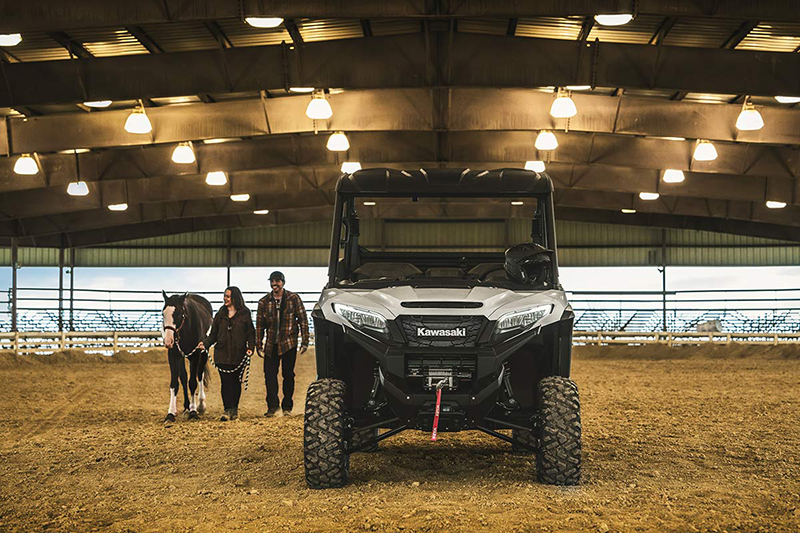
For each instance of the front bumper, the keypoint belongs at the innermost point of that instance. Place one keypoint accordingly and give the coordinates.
(408, 371)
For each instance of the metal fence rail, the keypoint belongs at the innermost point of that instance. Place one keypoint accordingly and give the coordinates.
(737, 311)
(110, 342)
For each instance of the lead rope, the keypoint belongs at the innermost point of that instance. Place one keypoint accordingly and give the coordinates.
(439, 387)
(243, 368)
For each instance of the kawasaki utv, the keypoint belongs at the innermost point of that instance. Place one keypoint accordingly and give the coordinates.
(442, 341)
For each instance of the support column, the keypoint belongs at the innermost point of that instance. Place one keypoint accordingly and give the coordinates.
(228, 258)
(71, 289)
(14, 252)
(61, 288)
(663, 270)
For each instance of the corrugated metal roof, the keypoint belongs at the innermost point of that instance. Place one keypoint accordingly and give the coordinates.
(709, 98)
(105, 42)
(240, 33)
(773, 37)
(700, 32)
(312, 234)
(484, 26)
(565, 28)
(382, 27)
(329, 29)
(181, 36)
(37, 47)
(639, 31)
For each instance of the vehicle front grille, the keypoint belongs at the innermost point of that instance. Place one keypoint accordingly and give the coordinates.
(441, 331)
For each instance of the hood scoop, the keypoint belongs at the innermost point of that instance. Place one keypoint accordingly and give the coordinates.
(442, 305)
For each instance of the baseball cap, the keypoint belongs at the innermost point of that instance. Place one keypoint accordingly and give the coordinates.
(277, 275)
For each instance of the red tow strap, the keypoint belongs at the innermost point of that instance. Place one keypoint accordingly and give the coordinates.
(438, 406)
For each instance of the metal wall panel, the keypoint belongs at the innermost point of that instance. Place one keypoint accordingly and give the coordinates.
(581, 244)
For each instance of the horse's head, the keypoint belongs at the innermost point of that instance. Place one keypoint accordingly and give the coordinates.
(174, 315)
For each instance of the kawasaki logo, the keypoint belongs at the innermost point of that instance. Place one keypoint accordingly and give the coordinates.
(455, 332)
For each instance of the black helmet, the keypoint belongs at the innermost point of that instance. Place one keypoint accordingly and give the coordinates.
(277, 275)
(527, 263)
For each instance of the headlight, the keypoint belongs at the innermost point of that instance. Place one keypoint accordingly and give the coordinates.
(360, 318)
(522, 319)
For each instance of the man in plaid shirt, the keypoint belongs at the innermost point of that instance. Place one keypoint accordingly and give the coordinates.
(281, 316)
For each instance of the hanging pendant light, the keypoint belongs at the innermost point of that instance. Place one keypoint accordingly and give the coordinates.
(672, 175)
(319, 108)
(240, 197)
(26, 165)
(98, 103)
(77, 188)
(788, 99)
(261, 212)
(546, 140)
(264, 22)
(615, 19)
(628, 211)
(749, 119)
(649, 195)
(183, 154)
(773, 204)
(216, 178)
(138, 122)
(563, 106)
(301, 90)
(705, 151)
(338, 142)
(118, 207)
(536, 166)
(10, 39)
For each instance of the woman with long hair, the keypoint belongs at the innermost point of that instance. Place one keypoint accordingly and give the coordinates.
(234, 336)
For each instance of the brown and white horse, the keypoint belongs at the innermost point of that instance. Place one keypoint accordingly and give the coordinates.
(187, 318)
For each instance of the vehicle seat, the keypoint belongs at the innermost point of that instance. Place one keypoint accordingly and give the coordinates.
(481, 269)
(377, 270)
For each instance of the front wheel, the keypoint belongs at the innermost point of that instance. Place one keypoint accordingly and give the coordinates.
(327, 464)
(558, 461)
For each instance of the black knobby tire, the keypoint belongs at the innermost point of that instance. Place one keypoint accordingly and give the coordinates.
(363, 435)
(327, 463)
(558, 461)
(528, 437)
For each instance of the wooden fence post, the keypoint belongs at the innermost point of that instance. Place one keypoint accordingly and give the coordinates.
(115, 343)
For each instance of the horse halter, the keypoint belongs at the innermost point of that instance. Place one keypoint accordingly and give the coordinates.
(176, 330)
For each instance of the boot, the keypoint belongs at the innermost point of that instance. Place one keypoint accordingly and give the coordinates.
(234, 413)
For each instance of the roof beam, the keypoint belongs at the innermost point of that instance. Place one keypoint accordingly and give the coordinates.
(400, 148)
(403, 61)
(73, 47)
(470, 109)
(29, 16)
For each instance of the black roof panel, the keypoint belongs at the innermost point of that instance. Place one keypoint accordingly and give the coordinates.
(445, 182)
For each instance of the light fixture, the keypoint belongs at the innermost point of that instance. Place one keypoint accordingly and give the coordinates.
(77, 188)
(301, 90)
(536, 166)
(348, 167)
(369, 203)
(264, 22)
(338, 142)
(705, 151)
(10, 39)
(615, 19)
(546, 140)
(261, 212)
(749, 119)
(578, 87)
(118, 207)
(517, 202)
(240, 197)
(98, 103)
(138, 122)
(73, 151)
(216, 178)
(218, 141)
(666, 138)
(772, 204)
(628, 211)
(788, 99)
(26, 165)
(649, 195)
(183, 154)
(563, 106)
(319, 108)
(672, 175)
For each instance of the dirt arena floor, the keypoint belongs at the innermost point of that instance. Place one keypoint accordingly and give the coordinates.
(680, 439)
